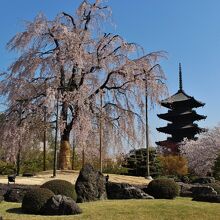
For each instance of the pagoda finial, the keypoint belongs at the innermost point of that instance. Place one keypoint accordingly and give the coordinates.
(180, 78)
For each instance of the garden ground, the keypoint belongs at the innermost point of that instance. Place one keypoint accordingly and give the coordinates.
(71, 176)
(180, 208)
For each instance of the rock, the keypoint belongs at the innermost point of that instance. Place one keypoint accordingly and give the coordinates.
(142, 187)
(202, 190)
(14, 195)
(207, 198)
(204, 180)
(193, 190)
(26, 174)
(125, 191)
(185, 179)
(185, 189)
(61, 205)
(90, 185)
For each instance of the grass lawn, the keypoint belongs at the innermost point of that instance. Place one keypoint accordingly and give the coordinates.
(180, 208)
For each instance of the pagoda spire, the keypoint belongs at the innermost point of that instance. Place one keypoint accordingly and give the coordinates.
(180, 78)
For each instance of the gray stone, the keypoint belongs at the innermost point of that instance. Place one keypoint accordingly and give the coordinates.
(202, 190)
(90, 185)
(125, 191)
(207, 198)
(14, 195)
(185, 189)
(61, 205)
(14, 192)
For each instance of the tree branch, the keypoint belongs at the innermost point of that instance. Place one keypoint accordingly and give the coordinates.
(71, 18)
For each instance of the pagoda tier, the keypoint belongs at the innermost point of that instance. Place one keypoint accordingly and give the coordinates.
(173, 129)
(182, 117)
(179, 115)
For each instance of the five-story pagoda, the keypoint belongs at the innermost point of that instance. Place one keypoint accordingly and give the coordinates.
(181, 117)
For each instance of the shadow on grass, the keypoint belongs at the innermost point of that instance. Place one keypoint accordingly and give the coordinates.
(15, 211)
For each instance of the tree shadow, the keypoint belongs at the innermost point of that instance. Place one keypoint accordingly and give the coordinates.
(15, 211)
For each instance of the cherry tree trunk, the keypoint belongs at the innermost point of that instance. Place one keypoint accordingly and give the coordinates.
(65, 154)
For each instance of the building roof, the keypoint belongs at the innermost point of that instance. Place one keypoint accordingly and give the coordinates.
(171, 128)
(181, 98)
(188, 114)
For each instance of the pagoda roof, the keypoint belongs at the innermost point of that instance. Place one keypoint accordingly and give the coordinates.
(170, 142)
(172, 115)
(181, 98)
(171, 128)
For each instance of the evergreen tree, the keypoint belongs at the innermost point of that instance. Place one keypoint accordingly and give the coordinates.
(135, 161)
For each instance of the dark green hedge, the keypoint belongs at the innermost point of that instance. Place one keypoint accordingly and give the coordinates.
(61, 187)
(35, 199)
(163, 189)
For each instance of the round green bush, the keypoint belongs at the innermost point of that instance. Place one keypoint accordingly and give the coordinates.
(61, 187)
(163, 189)
(35, 199)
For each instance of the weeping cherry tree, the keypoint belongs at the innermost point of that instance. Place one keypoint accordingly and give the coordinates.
(71, 59)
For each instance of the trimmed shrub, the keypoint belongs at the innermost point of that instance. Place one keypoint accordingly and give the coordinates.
(163, 189)
(61, 187)
(35, 199)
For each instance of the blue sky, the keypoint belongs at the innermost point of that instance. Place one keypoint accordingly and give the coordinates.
(188, 30)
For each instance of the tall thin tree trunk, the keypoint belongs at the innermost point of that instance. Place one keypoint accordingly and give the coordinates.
(83, 157)
(18, 160)
(73, 154)
(44, 139)
(65, 148)
(100, 134)
(55, 146)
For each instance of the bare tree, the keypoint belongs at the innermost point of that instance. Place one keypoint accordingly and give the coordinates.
(71, 59)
